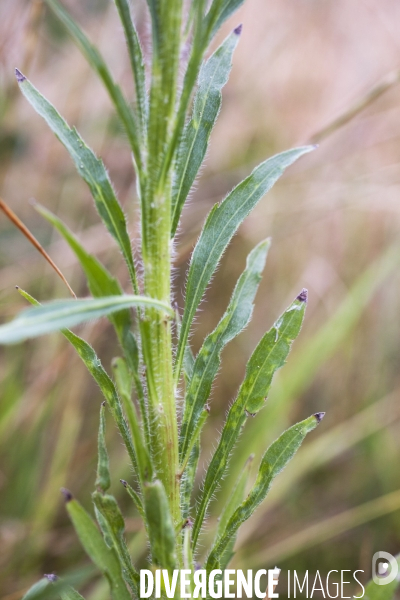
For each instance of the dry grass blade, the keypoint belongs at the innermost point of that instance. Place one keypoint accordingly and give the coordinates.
(389, 81)
(18, 223)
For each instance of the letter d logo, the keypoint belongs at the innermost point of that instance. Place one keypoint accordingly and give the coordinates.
(384, 568)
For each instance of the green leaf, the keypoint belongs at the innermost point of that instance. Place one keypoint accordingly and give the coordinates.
(221, 224)
(95, 547)
(136, 59)
(113, 527)
(208, 359)
(97, 63)
(70, 594)
(270, 354)
(61, 314)
(38, 590)
(188, 479)
(121, 373)
(161, 528)
(103, 465)
(207, 103)
(235, 499)
(219, 12)
(373, 591)
(95, 368)
(89, 167)
(274, 460)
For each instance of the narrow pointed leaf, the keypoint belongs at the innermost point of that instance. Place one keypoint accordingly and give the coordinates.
(270, 354)
(95, 547)
(207, 103)
(61, 314)
(219, 12)
(274, 460)
(103, 464)
(89, 167)
(136, 59)
(107, 387)
(122, 379)
(221, 224)
(208, 359)
(97, 63)
(161, 528)
(113, 526)
(236, 498)
(38, 590)
(70, 594)
(188, 480)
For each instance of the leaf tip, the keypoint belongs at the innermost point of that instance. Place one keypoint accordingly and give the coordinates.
(238, 29)
(67, 495)
(124, 483)
(20, 77)
(319, 416)
(51, 577)
(303, 296)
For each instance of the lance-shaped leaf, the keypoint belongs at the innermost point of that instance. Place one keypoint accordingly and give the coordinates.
(136, 59)
(188, 480)
(95, 368)
(122, 378)
(221, 224)
(97, 63)
(112, 524)
(270, 354)
(89, 167)
(70, 594)
(61, 314)
(103, 464)
(208, 359)
(41, 589)
(236, 498)
(95, 547)
(160, 526)
(102, 283)
(387, 591)
(207, 103)
(274, 460)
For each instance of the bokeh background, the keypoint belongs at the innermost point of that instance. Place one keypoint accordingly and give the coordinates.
(334, 220)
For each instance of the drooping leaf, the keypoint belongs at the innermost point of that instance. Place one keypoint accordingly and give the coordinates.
(95, 547)
(103, 464)
(274, 460)
(107, 387)
(122, 379)
(207, 103)
(208, 359)
(235, 499)
(61, 314)
(89, 167)
(113, 527)
(97, 63)
(136, 59)
(221, 224)
(270, 354)
(161, 528)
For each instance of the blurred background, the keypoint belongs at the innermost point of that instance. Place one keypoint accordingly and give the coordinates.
(334, 220)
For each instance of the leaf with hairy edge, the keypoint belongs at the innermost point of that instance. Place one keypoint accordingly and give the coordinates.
(60, 314)
(107, 387)
(102, 283)
(221, 224)
(236, 498)
(207, 103)
(188, 480)
(270, 354)
(274, 461)
(103, 464)
(161, 528)
(208, 359)
(95, 547)
(112, 524)
(136, 59)
(373, 591)
(121, 373)
(70, 594)
(89, 167)
(97, 63)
